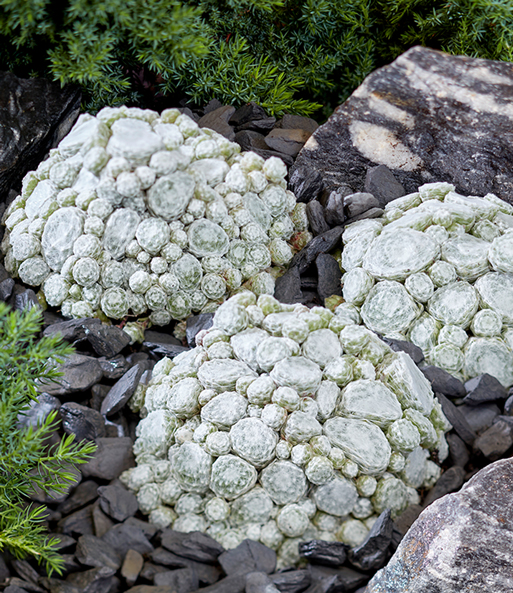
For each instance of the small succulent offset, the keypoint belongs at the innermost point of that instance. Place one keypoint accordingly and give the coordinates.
(437, 269)
(136, 213)
(284, 424)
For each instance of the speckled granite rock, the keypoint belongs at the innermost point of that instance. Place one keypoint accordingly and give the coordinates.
(427, 116)
(461, 542)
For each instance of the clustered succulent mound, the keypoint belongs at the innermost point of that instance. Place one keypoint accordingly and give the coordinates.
(437, 270)
(284, 424)
(136, 213)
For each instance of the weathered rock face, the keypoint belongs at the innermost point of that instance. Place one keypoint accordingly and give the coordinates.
(427, 116)
(35, 115)
(461, 542)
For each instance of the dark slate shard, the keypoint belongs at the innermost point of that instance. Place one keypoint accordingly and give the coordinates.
(83, 494)
(38, 411)
(248, 556)
(212, 105)
(414, 352)
(160, 349)
(260, 125)
(6, 288)
(80, 373)
(235, 583)
(321, 552)
(78, 523)
(98, 394)
(259, 582)
(95, 580)
(320, 244)
(124, 537)
(182, 580)
(25, 571)
(292, 581)
(59, 586)
(250, 140)
(196, 323)
(287, 141)
(306, 183)
(107, 340)
(316, 220)
(73, 330)
(329, 275)
(5, 573)
(101, 522)
(484, 388)
(334, 207)
(194, 545)
(372, 213)
(247, 113)
(457, 419)
(393, 119)
(373, 552)
(86, 424)
(117, 502)
(149, 570)
(189, 113)
(450, 481)
(208, 574)
(297, 122)
(443, 382)
(508, 406)
(122, 391)
(93, 551)
(480, 417)
(115, 367)
(113, 456)
(4, 275)
(407, 518)
(358, 203)
(35, 115)
(288, 287)
(25, 299)
(326, 579)
(476, 524)
(149, 589)
(495, 441)
(458, 452)
(382, 185)
(148, 529)
(14, 589)
(218, 120)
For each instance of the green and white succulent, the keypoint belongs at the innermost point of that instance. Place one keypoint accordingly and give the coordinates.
(284, 424)
(437, 269)
(136, 213)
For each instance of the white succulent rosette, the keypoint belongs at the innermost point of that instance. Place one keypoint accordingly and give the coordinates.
(284, 424)
(437, 269)
(140, 213)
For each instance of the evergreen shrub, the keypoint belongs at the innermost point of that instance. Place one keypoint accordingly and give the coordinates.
(287, 55)
(27, 462)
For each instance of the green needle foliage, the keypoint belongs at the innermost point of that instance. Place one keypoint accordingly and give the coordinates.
(293, 56)
(27, 463)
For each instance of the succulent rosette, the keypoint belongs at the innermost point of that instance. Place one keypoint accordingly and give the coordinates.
(284, 424)
(137, 213)
(437, 269)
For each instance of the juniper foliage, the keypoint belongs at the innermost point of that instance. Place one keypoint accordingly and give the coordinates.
(27, 462)
(287, 55)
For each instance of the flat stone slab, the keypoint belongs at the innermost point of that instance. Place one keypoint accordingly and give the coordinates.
(428, 116)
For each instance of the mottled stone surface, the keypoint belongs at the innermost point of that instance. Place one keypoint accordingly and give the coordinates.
(35, 114)
(461, 542)
(427, 116)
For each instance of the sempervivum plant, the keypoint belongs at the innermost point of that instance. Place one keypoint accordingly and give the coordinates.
(437, 269)
(284, 424)
(136, 213)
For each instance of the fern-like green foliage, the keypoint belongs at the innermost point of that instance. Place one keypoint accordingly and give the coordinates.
(27, 463)
(293, 56)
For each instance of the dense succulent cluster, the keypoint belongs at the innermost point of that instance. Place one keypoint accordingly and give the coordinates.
(136, 212)
(437, 269)
(284, 424)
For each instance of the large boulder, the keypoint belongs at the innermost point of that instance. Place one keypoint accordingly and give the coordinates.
(427, 116)
(462, 542)
(35, 115)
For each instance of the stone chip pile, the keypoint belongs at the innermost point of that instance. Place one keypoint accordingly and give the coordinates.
(284, 424)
